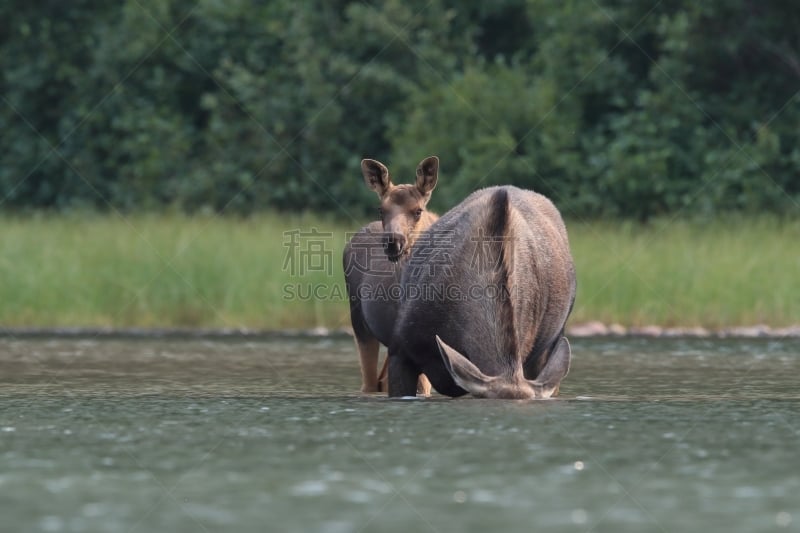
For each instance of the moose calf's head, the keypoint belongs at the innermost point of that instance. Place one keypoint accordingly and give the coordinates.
(402, 206)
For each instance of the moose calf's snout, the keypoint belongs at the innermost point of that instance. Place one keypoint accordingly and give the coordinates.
(394, 244)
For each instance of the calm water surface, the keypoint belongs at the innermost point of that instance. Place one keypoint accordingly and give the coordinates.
(270, 435)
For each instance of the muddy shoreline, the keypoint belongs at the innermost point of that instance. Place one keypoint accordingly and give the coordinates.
(588, 329)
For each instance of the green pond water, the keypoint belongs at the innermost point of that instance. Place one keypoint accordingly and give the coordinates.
(128, 435)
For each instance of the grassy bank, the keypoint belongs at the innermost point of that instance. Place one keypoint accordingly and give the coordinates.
(169, 270)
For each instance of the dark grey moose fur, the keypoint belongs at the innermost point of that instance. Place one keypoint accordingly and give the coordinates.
(506, 285)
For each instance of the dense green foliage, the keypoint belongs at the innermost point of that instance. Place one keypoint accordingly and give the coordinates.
(629, 109)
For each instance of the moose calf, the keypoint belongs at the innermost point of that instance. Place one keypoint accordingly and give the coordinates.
(374, 260)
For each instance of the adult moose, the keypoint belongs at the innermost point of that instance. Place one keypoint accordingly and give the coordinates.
(496, 330)
(374, 260)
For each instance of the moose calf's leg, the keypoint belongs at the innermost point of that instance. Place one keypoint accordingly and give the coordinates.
(383, 376)
(423, 386)
(368, 352)
(403, 377)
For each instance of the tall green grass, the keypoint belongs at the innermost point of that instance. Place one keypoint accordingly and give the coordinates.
(159, 271)
(674, 273)
(179, 271)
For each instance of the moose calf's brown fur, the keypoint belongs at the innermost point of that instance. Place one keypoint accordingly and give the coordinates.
(375, 257)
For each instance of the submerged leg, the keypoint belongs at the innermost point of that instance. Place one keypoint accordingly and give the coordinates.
(383, 376)
(403, 377)
(423, 384)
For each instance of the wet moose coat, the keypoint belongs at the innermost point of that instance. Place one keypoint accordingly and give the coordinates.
(493, 284)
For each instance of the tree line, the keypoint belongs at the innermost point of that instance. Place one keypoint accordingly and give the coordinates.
(621, 109)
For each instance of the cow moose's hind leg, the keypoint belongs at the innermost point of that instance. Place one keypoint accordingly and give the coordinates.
(403, 377)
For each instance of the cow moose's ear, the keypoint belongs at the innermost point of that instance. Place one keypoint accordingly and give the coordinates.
(466, 375)
(376, 176)
(556, 368)
(427, 174)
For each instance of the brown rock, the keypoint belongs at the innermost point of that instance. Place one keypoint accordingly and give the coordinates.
(791, 331)
(588, 329)
(647, 331)
(759, 330)
(617, 329)
(696, 331)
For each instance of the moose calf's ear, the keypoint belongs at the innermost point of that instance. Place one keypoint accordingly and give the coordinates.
(427, 174)
(376, 176)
